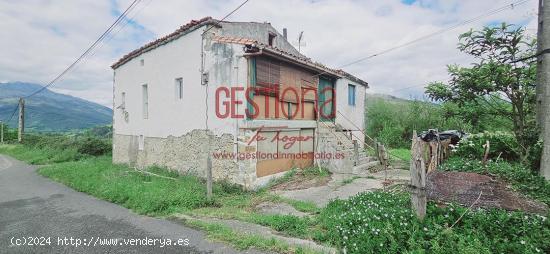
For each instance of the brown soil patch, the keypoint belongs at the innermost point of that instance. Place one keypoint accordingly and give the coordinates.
(300, 181)
(464, 188)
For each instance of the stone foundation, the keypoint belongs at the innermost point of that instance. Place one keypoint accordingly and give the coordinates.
(186, 154)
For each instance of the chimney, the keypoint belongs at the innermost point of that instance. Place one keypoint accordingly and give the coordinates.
(284, 33)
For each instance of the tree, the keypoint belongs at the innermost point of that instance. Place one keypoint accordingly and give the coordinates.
(501, 81)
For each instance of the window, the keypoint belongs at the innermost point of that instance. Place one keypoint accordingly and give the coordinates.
(179, 88)
(271, 39)
(123, 100)
(145, 98)
(351, 95)
(268, 76)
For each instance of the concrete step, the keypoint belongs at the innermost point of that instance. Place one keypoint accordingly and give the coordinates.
(365, 160)
(366, 166)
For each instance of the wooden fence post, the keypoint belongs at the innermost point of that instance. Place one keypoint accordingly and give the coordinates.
(418, 177)
(355, 152)
(383, 157)
(486, 153)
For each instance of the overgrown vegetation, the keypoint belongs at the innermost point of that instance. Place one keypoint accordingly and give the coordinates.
(393, 123)
(140, 192)
(380, 222)
(502, 146)
(54, 148)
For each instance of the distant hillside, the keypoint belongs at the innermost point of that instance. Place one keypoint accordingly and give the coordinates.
(50, 111)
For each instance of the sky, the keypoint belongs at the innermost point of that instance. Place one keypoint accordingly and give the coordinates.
(40, 38)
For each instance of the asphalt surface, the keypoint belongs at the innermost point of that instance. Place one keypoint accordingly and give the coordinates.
(38, 215)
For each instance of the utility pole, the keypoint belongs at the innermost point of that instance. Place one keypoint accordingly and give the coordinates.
(204, 82)
(21, 128)
(1, 132)
(543, 83)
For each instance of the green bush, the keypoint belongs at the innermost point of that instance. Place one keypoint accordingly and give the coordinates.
(10, 134)
(54, 148)
(501, 145)
(93, 146)
(521, 178)
(380, 222)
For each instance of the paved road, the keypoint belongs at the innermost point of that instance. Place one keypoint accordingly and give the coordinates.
(34, 206)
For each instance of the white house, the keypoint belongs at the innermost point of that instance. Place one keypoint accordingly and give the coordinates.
(241, 93)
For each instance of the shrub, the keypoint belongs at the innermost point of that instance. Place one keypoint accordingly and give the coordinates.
(380, 222)
(502, 145)
(54, 148)
(93, 146)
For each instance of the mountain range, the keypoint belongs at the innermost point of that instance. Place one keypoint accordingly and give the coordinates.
(49, 111)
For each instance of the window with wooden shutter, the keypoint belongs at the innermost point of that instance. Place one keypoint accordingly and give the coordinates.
(268, 76)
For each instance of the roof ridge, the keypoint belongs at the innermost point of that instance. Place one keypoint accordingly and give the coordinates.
(253, 42)
(167, 38)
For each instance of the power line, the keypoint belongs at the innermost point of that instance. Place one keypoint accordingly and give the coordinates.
(102, 37)
(96, 42)
(226, 16)
(120, 28)
(202, 56)
(492, 12)
(489, 13)
(12, 114)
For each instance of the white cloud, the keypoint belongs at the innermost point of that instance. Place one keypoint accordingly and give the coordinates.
(41, 38)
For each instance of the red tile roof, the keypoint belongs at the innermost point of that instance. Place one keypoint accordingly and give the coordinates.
(194, 24)
(306, 60)
(191, 26)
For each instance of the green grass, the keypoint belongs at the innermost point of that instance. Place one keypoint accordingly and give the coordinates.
(119, 184)
(401, 154)
(243, 241)
(40, 156)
